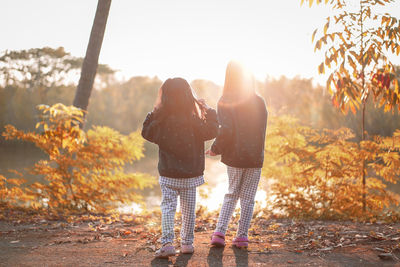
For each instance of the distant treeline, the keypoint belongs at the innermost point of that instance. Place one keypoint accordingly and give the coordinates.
(46, 76)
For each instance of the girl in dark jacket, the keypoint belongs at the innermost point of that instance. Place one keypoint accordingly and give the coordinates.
(179, 125)
(240, 142)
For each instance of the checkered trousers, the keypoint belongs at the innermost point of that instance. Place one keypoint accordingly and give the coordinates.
(171, 188)
(243, 183)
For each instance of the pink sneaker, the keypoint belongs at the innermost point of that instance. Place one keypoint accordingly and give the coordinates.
(218, 239)
(187, 249)
(241, 242)
(165, 252)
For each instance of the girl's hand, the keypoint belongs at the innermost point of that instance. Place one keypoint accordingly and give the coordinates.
(202, 102)
(210, 153)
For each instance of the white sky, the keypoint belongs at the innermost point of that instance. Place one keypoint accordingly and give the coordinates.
(167, 38)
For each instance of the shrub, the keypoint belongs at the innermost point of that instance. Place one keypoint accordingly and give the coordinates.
(84, 171)
(317, 172)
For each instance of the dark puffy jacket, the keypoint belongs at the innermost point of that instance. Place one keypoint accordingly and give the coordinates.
(180, 139)
(241, 135)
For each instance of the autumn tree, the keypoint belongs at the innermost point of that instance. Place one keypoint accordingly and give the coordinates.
(316, 172)
(207, 90)
(97, 182)
(357, 43)
(11, 192)
(41, 68)
(37, 76)
(36, 67)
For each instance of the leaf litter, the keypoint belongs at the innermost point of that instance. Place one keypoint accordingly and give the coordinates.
(312, 238)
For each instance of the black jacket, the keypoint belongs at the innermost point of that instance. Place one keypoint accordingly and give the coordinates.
(241, 135)
(180, 139)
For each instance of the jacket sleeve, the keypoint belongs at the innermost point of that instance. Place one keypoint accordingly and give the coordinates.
(266, 115)
(150, 130)
(224, 132)
(209, 127)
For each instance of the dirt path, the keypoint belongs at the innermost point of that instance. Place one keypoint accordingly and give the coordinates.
(275, 243)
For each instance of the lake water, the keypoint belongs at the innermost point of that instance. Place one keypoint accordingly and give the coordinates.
(211, 194)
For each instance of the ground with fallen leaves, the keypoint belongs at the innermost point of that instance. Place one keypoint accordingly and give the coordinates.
(120, 240)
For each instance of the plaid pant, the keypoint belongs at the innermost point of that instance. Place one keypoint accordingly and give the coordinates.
(243, 183)
(170, 193)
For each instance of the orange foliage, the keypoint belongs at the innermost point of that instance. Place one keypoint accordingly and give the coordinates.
(318, 172)
(84, 171)
(10, 190)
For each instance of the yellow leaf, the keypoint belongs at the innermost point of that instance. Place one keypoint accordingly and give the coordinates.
(353, 109)
(64, 144)
(326, 27)
(16, 181)
(321, 68)
(313, 35)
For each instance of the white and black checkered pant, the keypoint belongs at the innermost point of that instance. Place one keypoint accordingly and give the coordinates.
(171, 188)
(243, 183)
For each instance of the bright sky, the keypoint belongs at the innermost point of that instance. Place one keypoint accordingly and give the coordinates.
(187, 38)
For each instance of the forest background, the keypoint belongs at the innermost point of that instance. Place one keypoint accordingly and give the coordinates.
(316, 154)
(46, 76)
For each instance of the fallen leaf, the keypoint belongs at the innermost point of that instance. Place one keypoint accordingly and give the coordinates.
(127, 232)
(15, 241)
(61, 241)
(326, 249)
(377, 236)
(386, 256)
(273, 227)
(327, 243)
(138, 230)
(360, 236)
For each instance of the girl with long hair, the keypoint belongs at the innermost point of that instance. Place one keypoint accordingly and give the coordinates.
(179, 125)
(242, 115)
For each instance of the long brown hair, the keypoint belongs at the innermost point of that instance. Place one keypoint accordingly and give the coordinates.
(175, 97)
(239, 84)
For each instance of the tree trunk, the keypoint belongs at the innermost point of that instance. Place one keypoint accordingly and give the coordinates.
(364, 197)
(89, 66)
(364, 97)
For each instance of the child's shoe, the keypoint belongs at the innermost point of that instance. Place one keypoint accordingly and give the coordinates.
(165, 251)
(241, 242)
(218, 239)
(187, 249)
